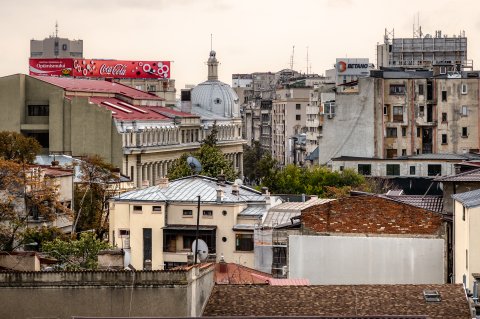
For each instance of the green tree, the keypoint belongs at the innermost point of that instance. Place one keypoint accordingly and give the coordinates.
(92, 194)
(76, 254)
(18, 148)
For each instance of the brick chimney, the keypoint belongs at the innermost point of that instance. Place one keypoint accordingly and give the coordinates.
(221, 179)
(219, 195)
(162, 182)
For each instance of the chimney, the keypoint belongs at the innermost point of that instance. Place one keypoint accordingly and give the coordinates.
(116, 172)
(163, 182)
(221, 179)
(235, 189)
(219, 195)
(264, 190)
(223, 265)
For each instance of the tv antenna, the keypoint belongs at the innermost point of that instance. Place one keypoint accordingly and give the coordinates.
(194, 164)
(200, 248)
(291, 58)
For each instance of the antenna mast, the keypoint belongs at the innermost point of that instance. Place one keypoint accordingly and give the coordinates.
(307, 60)
(211, 41)
(56, 29)
(291, 58)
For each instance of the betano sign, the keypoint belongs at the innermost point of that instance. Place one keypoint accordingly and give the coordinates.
(352, 67)
(95, 68)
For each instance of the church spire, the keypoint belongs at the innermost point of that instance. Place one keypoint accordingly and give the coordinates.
(212, 63)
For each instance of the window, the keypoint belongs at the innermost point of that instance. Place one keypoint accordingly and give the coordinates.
(385, 110)
(38, 110)
(393, 169)
(432, 296)
(404, 131)
(187, 212)
(463, 215)
(64, 47)
(188, 241)
(420, 89)
(444, 117)
(464, 89)
(412, 170)
(404, 152)
(443, 70)
(124, 232)
(157, 209)
(391, 152)
(418, 132)
(298, 106)
(434, 170)
(421, 110)
(42, 138)
(444, 138)
(341, 168)
(464, 132)
(137, 209)
(444, 96)
(397, 89)
(244, 242)
(365, 169)
(217, 101)
(207, 213)
(398, 113)
(298, 117)
(391, 132)
(464, 111)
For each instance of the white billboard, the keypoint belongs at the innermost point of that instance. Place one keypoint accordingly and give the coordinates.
(357, 67)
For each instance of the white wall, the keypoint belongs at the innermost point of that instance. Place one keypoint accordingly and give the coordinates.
(366, 260)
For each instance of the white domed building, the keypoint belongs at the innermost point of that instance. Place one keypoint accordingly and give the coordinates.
(216, 102)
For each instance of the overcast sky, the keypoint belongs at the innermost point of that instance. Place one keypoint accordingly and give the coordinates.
(248, 35)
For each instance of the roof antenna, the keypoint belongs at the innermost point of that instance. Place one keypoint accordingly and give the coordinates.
(56, 29)
(211, 41)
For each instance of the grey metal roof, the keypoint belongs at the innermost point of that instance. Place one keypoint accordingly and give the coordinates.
(244, 227)
(468, 199)
(188, 188)
(428, 202)
(313, 155)
(469, 176)
(253, 210)
(282, 213)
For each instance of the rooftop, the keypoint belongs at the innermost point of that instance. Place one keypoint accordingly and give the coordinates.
(437, 156)
(469, 176)
(428, 202)
(235, 274)
(468, 199)
(351, 301)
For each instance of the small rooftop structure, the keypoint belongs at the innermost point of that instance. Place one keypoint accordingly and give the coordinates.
(468, 199)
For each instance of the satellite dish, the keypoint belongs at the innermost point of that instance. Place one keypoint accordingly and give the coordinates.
(194, 164)
(202, 250)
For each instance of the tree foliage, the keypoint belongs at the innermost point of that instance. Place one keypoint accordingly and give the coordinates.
(315, 180)
(210, 156)
(25, 192)
(18, 148)
(76, 254)
(92, 194)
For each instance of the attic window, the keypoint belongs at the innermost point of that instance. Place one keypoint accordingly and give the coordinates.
(217, 101)
(432, 296)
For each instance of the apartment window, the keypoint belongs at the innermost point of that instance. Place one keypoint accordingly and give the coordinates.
(137, 209)
(444, 138)
(385, 110)
(244, 242)
(298, 106)
(404, 152)
(187, 213)
(188, 242)
(443, 70)
(464, 89)
(418, 132)
(464, 111)
(391, 152)
(393, 169)
(391, 132)
(397, 89)
(298, 117)
(342, 168)
(42, 138)
(365, 169)
(207, 213)
(38, 110)
(412, 170)
(398, 113)
(434, 170)
(157, 209)
(444, 117)
(421, 110)
(464, 132)
(444, 96)
(420, 89)
(124, 232)
(404, 131)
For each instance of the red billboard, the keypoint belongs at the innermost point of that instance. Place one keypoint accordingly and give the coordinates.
(120, 69)
(51, 67)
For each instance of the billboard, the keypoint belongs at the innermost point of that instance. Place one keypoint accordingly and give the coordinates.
(97, 68)
(353, 67)
(121, 69)
(51, 67)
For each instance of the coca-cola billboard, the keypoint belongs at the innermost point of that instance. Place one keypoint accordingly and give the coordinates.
(121, 69)
(51, 67)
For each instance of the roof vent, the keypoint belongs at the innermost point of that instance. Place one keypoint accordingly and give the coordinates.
(432, 296)
(235, 189)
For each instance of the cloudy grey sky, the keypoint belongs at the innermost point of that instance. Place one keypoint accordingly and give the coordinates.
(249, 35)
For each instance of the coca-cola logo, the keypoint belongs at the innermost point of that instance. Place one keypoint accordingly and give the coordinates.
(117, 69)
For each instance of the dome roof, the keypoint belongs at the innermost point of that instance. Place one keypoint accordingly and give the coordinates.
(216, 97)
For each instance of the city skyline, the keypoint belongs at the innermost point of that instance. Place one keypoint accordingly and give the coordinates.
(248, 36)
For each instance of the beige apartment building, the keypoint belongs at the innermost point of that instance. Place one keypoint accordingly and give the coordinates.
(129, 128)
(55, 47)
(159, 223)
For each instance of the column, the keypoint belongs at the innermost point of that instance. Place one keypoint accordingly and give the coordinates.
(154, 173)
(235, 161)
(240, 164)
(144, 173)
(149, 173)
(139, 175)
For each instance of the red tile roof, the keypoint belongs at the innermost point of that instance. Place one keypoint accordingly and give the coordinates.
(125, 111)
(283, 281)
(97, 86)
(237, 274)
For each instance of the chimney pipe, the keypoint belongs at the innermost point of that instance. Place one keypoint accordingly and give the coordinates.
(219, 195)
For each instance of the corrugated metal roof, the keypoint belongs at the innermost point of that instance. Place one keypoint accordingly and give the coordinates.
(468, 199)
(188, 188)
(254, 210)
(470, 176)
(282, 213)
